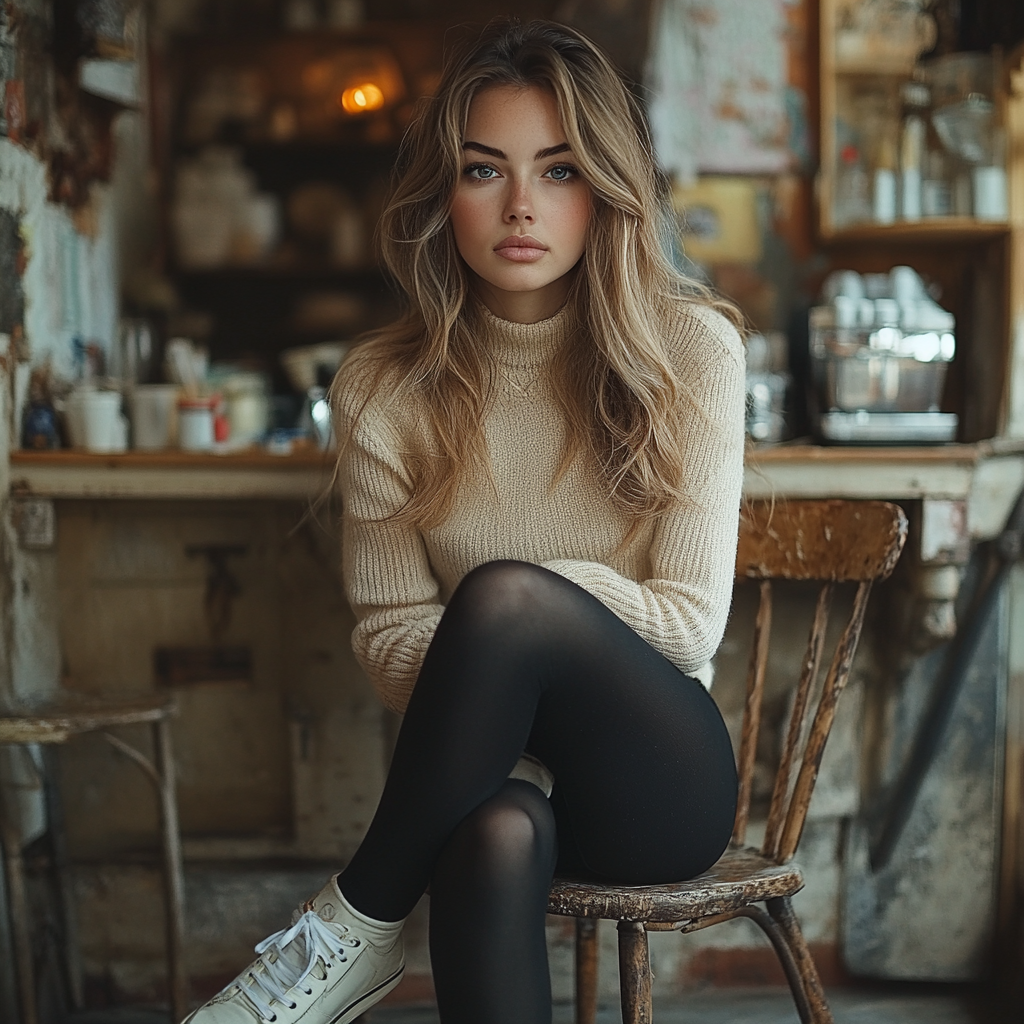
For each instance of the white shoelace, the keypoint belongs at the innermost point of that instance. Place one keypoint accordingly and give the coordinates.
(279, 975)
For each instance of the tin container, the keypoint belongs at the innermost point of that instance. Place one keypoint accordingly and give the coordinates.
(881, 366)
(195, 424)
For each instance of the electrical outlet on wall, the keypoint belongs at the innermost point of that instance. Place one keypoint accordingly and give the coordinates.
(35, 520)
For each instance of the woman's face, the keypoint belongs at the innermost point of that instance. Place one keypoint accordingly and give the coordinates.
(520, 210)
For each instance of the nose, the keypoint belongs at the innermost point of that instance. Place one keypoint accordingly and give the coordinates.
(519, 204)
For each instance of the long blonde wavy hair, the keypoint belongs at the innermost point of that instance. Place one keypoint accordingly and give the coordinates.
(621, 399)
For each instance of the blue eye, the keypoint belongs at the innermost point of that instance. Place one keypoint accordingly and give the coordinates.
(480, 172)
(563, 172)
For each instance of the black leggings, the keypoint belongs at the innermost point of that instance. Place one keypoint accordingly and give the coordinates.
(645, 788)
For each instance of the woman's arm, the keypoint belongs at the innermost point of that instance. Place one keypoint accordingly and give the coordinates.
(385, 569)
(682, 609)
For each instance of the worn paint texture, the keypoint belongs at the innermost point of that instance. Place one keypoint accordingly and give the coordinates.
(68, 290)
(70, 280)
(720, 100)
(929, 913)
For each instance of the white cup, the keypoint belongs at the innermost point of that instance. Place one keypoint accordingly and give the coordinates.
(102, 422)
(74, 415)
(153, 416)
(990, 193)
(846, 310)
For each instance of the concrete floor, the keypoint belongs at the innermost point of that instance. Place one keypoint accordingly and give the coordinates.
(879, 1004)
(883, 1005)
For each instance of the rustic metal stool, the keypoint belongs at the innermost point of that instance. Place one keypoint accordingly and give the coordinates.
(57, 722)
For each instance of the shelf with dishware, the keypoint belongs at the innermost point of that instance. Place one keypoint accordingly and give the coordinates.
(920, 168)
(964, 230)
(911, 131)
(275, 148)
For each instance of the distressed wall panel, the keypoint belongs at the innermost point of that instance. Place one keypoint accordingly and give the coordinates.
(295, 754)
(930, 912)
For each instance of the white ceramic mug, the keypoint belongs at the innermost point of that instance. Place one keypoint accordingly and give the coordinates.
(153, 416)
(102, 422)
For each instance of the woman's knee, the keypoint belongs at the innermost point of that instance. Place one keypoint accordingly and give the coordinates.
(503, 591)
(510, 834)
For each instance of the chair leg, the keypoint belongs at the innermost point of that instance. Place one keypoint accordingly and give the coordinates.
(805, 976)
(174, 878)
(19, 912)
(634, 973)
(586, 970)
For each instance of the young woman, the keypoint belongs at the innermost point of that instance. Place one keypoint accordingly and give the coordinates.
(540, 469)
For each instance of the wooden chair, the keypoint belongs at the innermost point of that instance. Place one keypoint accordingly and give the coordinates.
(59, 722)
(830, 541)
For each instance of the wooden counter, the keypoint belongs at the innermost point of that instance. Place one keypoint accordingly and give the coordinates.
(986, 475)
(252, 473)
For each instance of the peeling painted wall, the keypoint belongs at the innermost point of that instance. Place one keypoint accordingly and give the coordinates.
(70, 281)
(70, 290)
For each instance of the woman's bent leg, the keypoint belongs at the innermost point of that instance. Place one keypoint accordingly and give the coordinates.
(488, 897)
(641, 757)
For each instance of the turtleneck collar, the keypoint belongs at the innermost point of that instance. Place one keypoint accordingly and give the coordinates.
(524, 345)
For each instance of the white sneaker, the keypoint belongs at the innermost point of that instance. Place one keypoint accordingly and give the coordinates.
(330, 966)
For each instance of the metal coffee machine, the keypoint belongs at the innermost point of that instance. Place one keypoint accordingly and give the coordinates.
(880, 348)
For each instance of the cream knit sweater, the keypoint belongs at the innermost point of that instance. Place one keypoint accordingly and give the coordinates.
(672, 583)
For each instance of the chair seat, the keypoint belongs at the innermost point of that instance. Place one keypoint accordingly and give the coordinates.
(740, 877)
(70, 715)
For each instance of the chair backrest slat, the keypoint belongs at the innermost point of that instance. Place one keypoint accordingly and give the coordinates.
(752, 711)
(829, 541)
(838, 673)
(820, 540)
(797, 719)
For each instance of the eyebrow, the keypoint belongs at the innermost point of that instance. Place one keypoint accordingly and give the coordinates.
(498, 154)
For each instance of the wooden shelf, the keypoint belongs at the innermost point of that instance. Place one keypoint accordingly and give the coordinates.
(933, 229)
(895, 67)
(249, 474)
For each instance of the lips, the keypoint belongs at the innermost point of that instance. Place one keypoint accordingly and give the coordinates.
(520, 249)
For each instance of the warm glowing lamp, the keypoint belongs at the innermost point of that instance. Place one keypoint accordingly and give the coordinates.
(362, 98)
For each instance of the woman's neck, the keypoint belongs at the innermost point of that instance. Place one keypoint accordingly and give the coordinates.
(524, 307)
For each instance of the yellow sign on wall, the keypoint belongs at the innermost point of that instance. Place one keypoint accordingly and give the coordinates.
(719, 218)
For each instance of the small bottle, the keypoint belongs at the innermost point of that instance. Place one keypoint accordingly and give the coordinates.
(912, 142)
(852, 203)
(936, 194)
(884, 190)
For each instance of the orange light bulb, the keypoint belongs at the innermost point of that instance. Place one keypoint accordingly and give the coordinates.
(361, 99)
